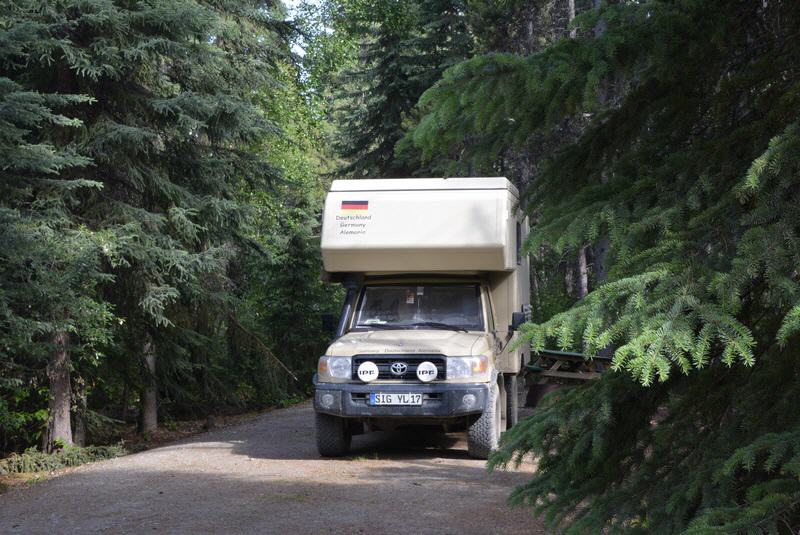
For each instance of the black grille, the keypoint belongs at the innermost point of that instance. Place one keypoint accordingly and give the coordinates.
(384, 363)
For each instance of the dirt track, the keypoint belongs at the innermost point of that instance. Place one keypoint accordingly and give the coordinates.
(265, 477)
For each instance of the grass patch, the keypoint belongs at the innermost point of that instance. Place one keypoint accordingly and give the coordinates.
(373, 457)
(32, 460)
(291, 401)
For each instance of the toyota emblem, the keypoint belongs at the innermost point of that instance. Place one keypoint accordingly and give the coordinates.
(398, 368)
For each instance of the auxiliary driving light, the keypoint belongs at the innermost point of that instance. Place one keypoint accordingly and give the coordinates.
(367, 371)
(468, 401)
(427, 371)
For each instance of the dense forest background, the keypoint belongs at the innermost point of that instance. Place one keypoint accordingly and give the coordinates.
(164, 164)
(163, 169)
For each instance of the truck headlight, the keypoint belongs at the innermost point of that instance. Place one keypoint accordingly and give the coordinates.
(334, 369)
(463, 369)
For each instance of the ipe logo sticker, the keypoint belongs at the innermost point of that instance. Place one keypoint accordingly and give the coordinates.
(427, 372)
(367, 371)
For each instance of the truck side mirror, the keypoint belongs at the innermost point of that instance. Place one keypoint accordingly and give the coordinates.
(517, 319)
(328, 323)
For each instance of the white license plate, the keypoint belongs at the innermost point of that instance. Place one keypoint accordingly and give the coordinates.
(385, 398)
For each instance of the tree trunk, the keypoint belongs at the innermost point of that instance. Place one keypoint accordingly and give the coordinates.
(601, 247)
(600, 273)
(79, 436)
(571, 16)
(59, 427)
(530, 37)
(600, 253)
(600, 27)
(569, 277)
(537, 298)
(583, 273)
(149, 396)
(125, 397)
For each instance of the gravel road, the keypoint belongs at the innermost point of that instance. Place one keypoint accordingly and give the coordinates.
(265, 476)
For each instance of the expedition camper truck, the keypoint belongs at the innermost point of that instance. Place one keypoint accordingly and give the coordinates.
(436, 286)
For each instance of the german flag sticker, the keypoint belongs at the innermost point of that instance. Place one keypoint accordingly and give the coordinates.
(355, 206)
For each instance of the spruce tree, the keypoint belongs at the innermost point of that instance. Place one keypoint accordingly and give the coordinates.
(166, 121)
(690, 164)
(50, 316)
(405, 46)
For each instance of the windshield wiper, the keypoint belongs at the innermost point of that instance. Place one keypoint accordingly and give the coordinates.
(437, 325)
(377, 326)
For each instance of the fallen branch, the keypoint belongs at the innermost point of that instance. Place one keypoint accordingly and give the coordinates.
(261, 344)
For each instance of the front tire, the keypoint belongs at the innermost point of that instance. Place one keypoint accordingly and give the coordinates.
(483, 434)
(333, 435)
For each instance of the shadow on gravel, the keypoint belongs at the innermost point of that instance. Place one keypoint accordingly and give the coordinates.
(398, 445)
(411, 443)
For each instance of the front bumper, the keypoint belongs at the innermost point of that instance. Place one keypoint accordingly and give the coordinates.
(439, 400)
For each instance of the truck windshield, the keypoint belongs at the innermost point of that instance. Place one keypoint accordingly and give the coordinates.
(428, 306)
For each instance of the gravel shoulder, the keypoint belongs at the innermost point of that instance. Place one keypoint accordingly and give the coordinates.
(265, 476)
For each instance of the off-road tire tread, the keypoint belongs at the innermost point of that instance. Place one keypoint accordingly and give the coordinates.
(333, 436)
(480, 434)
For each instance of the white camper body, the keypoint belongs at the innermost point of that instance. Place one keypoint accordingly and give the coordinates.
(435, 274)
(420, 225)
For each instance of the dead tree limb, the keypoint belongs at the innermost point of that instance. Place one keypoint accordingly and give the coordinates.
(260, 344)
